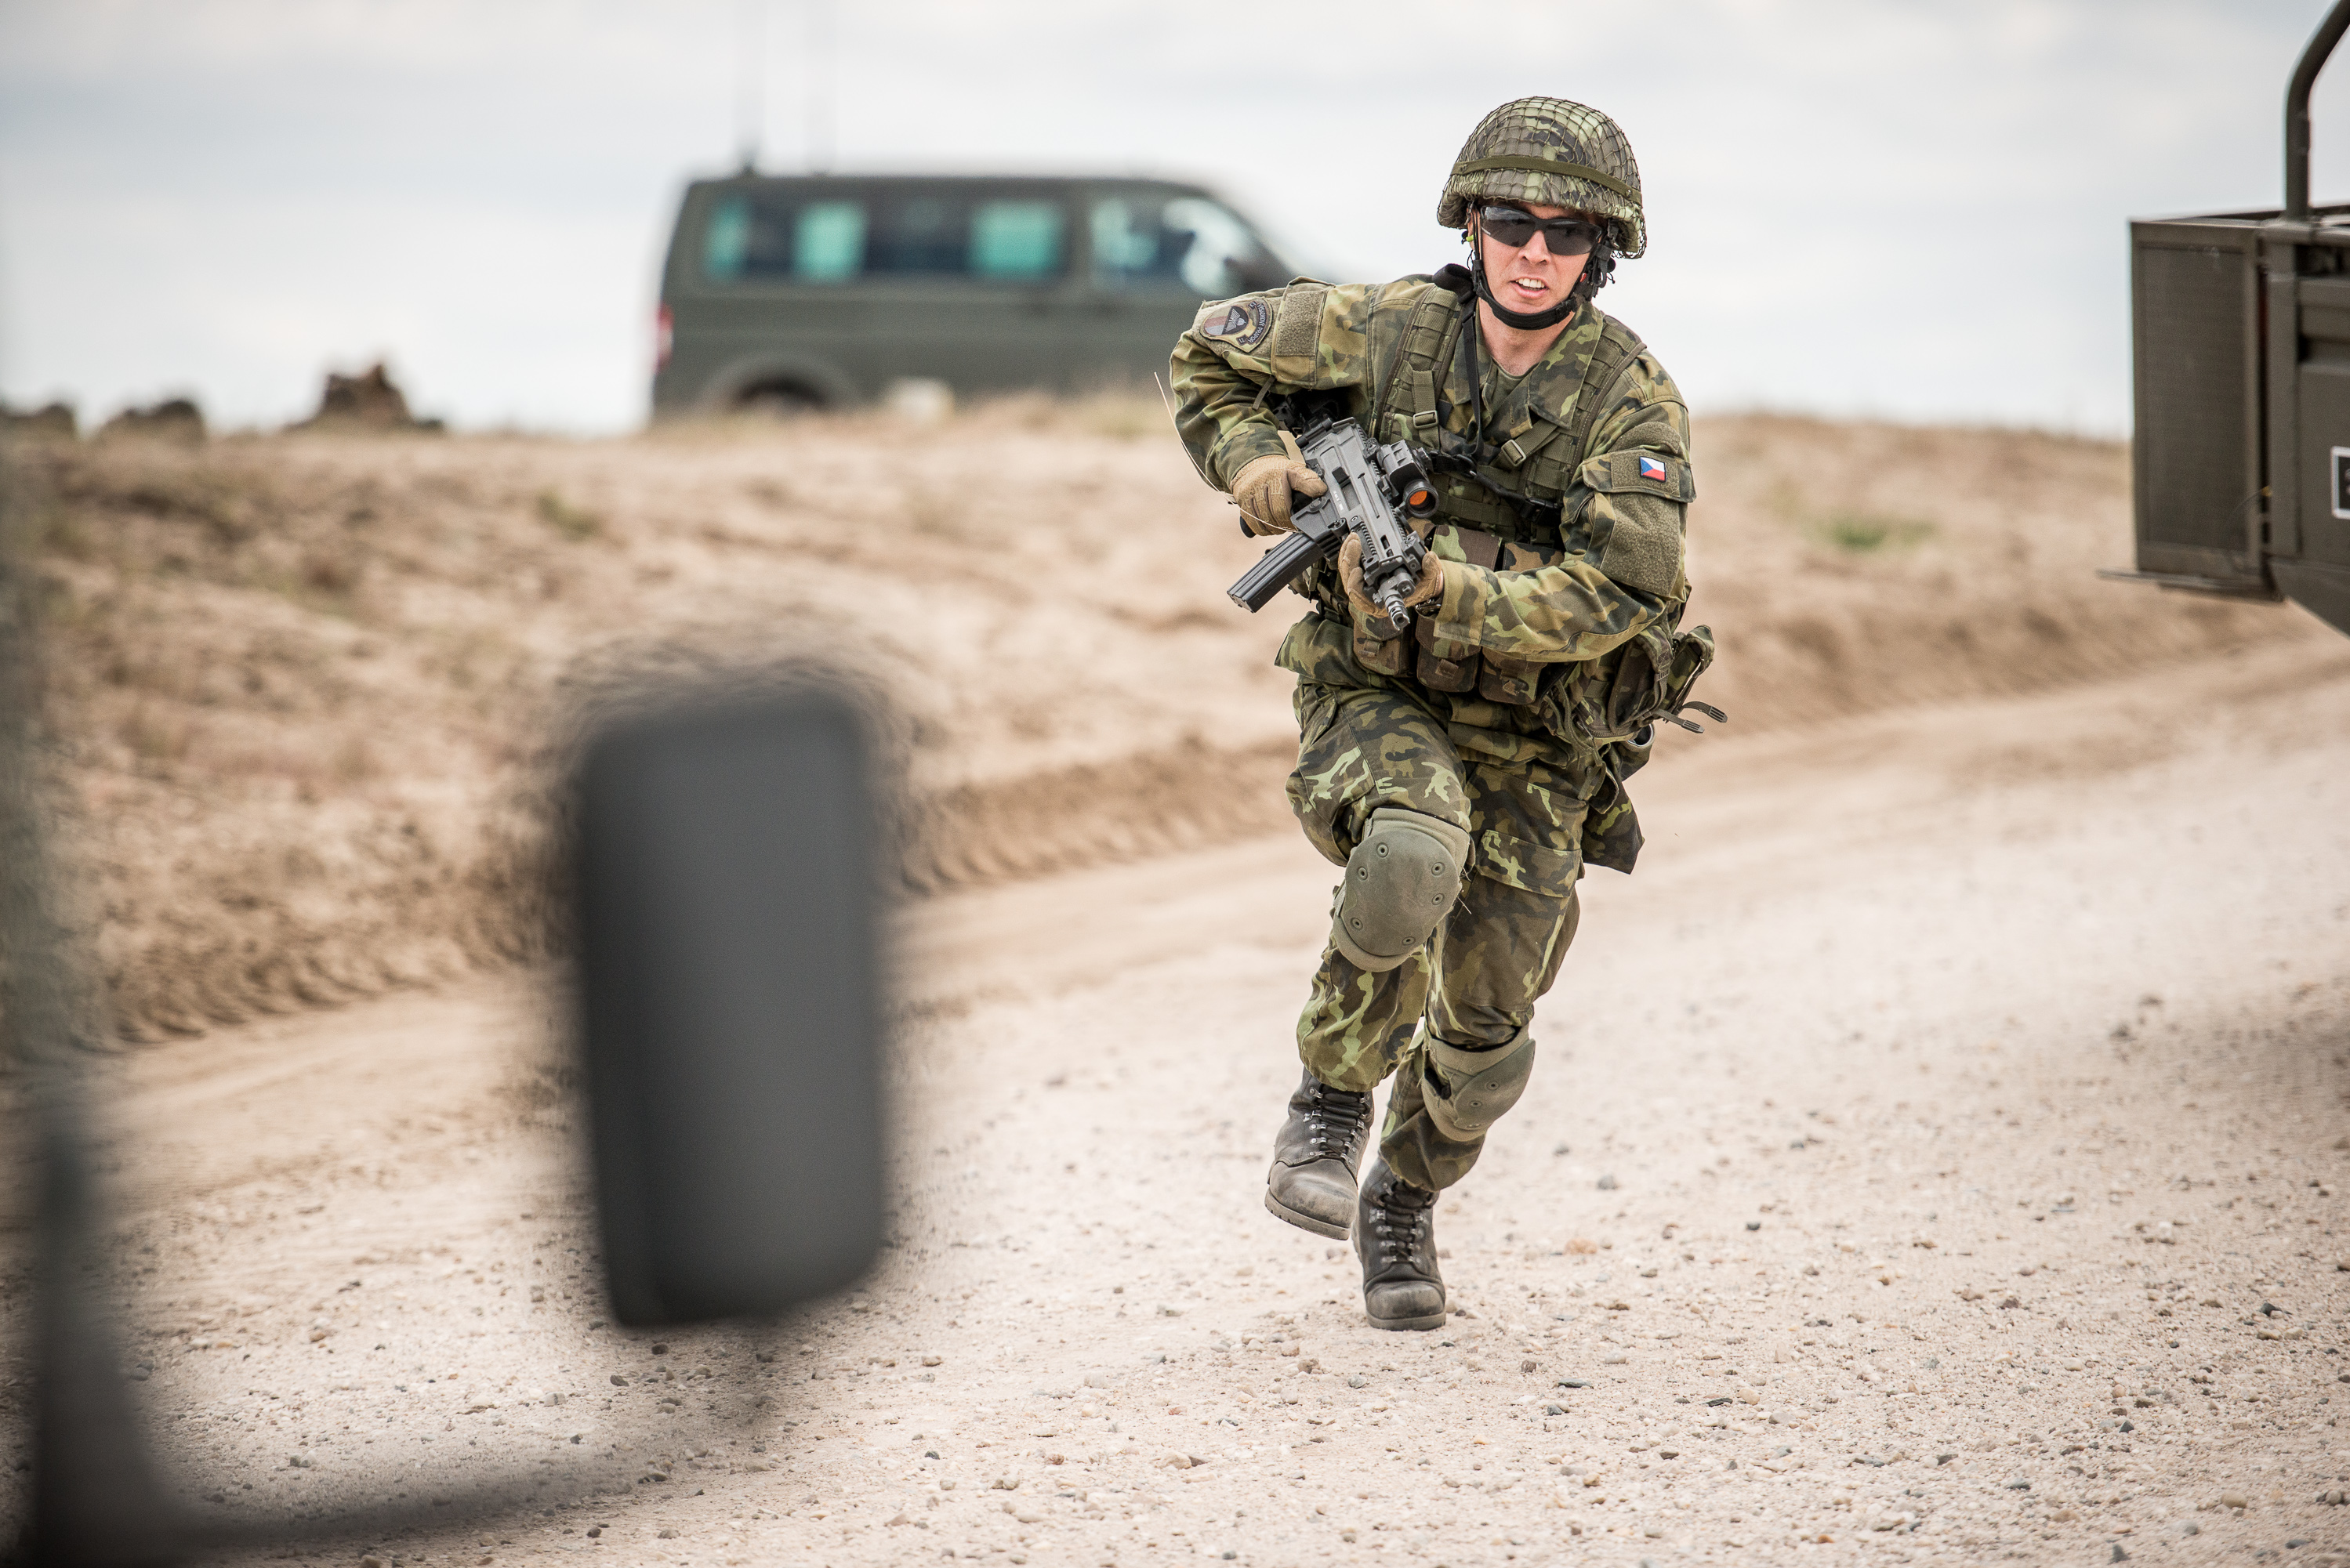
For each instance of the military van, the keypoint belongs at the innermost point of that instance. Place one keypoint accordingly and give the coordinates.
(820, 291)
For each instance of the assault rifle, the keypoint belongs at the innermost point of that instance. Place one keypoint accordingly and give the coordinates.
(1372, 489)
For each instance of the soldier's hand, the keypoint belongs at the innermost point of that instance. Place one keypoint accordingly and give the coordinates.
(1350, 572)
(1262, 489)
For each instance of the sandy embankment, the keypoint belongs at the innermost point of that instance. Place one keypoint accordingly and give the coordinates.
(308, 687)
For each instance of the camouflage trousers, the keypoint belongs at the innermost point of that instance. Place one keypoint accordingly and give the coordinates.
(1476, 982)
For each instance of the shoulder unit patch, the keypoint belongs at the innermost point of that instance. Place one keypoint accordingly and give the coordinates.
(1243, 323)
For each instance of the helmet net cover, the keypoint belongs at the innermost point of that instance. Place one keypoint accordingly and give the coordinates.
(1596, 172)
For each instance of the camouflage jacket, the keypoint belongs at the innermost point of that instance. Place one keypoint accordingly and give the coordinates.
(1561, 519)
(1561, 549)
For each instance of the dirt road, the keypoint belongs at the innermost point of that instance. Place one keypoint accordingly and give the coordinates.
(1935, 1155)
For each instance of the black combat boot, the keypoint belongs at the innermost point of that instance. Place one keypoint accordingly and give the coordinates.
(1312, 1182)
(1395, 1236)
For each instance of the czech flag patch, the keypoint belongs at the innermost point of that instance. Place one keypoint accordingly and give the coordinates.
(1652, 469)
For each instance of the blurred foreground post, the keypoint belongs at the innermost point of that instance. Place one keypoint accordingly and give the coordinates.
(728, 865)
(730, 987)
(95, 1500)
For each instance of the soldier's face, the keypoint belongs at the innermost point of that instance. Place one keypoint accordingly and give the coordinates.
(1528, 277)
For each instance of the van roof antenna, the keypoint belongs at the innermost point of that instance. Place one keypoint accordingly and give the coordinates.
(750, 80)
(821, 72)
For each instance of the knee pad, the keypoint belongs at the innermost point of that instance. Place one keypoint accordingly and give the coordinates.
(1466, 1092)
(1400, 879)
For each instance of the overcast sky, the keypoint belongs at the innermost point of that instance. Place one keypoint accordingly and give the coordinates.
(1911, 208)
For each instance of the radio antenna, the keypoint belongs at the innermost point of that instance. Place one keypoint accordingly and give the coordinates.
(820, 71)
(750, 80)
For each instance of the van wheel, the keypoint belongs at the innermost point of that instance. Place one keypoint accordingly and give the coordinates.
(783, 400)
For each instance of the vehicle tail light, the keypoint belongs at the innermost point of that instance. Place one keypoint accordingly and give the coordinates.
(664, 337)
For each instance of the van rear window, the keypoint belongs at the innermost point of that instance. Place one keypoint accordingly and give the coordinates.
(754, 239)
(779, 237)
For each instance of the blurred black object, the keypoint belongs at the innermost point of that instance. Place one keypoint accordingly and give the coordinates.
(95, 1497)
(728, 863)
(730, 996)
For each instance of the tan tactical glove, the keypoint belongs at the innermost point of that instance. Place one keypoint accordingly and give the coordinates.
(1350, 572)
(1264, 484)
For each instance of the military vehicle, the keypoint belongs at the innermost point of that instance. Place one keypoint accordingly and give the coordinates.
(2240, 337)
(819, 291)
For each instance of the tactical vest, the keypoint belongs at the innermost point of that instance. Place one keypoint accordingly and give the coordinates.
(1536, 458)
(1478, 521)
(1609, 705)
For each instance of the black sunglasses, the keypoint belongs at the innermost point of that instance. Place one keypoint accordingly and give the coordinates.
(1564, 236)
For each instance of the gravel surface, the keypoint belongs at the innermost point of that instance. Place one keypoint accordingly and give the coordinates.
(1936, 1155)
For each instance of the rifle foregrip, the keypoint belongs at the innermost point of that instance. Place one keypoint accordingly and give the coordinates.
(1275, 571)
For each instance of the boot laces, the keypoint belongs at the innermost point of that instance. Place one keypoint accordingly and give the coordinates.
(1402, 1228)
(1334, 1118)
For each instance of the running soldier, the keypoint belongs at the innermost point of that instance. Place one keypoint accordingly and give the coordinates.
(1465, 772)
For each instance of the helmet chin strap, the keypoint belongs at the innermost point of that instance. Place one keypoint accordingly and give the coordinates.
(1524, 321)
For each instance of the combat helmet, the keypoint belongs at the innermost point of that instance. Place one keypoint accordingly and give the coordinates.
(1551, 152)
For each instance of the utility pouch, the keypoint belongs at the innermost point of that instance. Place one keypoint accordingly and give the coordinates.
(1620, 697)
(1512, 682)
(1391, 656)
(1443, 665)
(1614, 704)
(1515, 682)
(1315, 651)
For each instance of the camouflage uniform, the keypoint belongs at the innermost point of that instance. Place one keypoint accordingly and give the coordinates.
(1493, 716)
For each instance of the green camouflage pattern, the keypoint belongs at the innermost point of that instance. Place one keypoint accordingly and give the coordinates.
(1521, 776)
(1390, 744)
(1345, 770)
(1346, 339)
(1550, 127)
